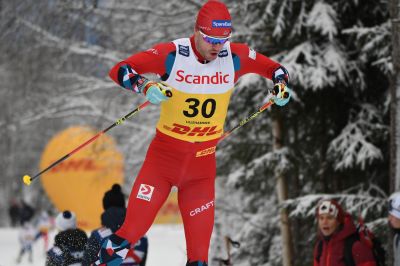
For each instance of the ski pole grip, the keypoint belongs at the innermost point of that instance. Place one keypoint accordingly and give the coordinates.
(280, 87)
(167, 93)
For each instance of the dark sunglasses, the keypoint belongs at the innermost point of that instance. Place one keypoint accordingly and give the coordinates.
(215, 40)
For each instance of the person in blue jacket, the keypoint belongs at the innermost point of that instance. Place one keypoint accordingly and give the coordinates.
(111, 219)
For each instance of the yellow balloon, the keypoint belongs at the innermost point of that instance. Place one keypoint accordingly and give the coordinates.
(169, 212)
(79, 182)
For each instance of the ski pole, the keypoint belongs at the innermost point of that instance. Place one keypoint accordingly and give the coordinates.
(27, 179)
(277, 87)
(247, 119)
(228, 244)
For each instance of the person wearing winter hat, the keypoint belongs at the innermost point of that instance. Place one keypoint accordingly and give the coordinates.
(335, 226)
(111, 220)
(69, 243)
(198, 75)
(114, 197)
(26, 239)
(394, 222)
(65, 220)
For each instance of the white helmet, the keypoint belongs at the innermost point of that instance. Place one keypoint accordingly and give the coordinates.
(394, 205)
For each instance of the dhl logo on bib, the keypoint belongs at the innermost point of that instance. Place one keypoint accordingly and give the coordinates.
(194, 117)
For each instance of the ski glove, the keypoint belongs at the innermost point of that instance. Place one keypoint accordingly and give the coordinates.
(280, 75)
(281, 94)
(156, 92)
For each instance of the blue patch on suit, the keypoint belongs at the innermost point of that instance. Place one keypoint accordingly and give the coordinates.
(236, 62)
(223, 53)
(183, 50)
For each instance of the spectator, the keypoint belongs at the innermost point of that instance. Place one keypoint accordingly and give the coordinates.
(114, 198)
(394, 222)
(13, 212)
(335, 229)
(26, 212)
(69, 243)
(111, 219)
(44, 224)
(26, 238)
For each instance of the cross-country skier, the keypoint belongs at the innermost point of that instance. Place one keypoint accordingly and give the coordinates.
(201, 72)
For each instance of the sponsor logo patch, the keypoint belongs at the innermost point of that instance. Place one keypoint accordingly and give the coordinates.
(223, 53)
(205, 152)
(152, 50)
(221, 24)
(218, 78)
(252, 54)
(202, 208)
(145, 192)
(183, 50)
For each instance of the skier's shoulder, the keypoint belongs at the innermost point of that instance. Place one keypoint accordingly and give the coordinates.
(162, 49)
(240, 49)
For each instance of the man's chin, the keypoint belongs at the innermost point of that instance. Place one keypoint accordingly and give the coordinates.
(212, 57)
(326, 233)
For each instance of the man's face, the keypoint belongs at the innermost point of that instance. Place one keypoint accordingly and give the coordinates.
(327, 224)
(207, 50)
(394, 222)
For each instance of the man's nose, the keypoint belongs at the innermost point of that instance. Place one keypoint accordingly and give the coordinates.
(217, 46)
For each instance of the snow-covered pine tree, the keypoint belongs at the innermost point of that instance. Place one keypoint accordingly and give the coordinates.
(394, 7)
(335, 128)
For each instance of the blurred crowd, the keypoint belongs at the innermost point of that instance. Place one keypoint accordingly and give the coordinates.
(72, 245)
(351, 242)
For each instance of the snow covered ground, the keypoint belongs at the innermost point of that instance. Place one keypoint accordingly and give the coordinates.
(166, 244)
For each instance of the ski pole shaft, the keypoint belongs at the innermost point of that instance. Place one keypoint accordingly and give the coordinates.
(247, 119)
(27, 179)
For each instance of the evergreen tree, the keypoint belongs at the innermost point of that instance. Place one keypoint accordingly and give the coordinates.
(336, 126)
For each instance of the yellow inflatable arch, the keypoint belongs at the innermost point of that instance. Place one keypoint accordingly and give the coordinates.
(78, 183)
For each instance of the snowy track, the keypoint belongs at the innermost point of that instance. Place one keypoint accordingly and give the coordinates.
(166, 244)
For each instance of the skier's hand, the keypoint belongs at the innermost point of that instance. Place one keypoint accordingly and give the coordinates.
(157, 92)
(280, 75)
(281, 94)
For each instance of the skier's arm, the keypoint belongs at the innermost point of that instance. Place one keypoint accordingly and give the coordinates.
(247, 60)
(128, 72)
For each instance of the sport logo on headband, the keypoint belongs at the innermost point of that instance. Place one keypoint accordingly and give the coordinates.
(221, 24)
